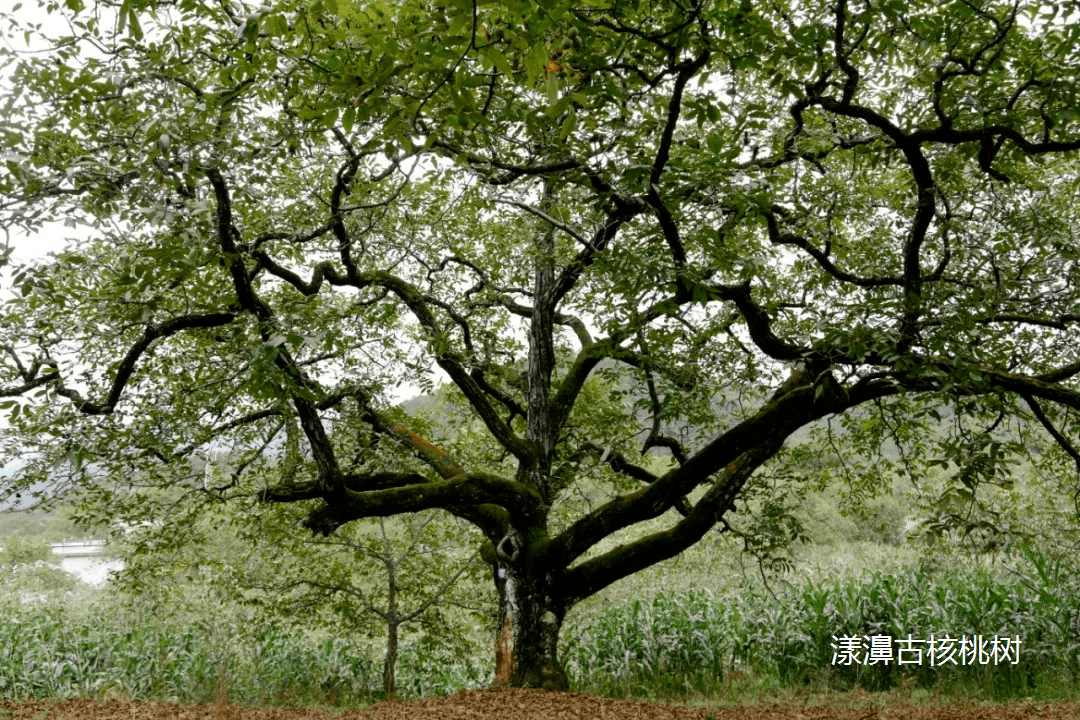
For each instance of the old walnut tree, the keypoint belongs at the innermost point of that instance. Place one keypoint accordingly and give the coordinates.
(643, 243)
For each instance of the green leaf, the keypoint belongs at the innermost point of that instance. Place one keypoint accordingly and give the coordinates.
(135, 27)
(535, 62)
(568, 126)
(551, 87)
(499, 61)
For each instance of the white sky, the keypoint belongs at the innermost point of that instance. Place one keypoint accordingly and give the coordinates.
(54, 237)
(50, 240)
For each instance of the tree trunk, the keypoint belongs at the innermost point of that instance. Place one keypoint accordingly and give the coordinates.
(504, 638)
(530, 620)
(392, 624)
(390, 662)
(530, 613)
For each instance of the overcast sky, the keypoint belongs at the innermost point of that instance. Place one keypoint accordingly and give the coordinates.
(41, 244)
(52, 239)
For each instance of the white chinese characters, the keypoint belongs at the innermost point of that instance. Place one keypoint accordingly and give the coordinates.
(937, 650)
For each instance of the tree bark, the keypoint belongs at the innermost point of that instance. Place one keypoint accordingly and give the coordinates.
(393, 621)
(531, 613)
(390, 662)
(504, 632)
(527, 647)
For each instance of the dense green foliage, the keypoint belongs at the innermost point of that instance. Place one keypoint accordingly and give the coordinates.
(29, 570)
(188, 624)
(48, 652)
(412, 588)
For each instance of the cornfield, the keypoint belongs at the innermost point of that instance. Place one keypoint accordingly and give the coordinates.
(679, 644)
(46, 653)
(672, 645)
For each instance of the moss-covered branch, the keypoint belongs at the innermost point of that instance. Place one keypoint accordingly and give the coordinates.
(522, 504)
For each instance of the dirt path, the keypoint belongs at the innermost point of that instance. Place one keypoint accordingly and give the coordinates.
(506, 704)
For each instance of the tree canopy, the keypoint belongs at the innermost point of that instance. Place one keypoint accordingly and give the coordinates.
(686, 229)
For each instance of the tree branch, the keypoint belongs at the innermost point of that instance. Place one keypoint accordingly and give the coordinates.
(1060, 439)
(795, 403)
(523, 504)
(127, 366)
(306, 411)
(597, 573)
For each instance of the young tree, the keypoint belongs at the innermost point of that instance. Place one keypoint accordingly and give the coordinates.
(412, 589)
(403, 581)
(803, 208)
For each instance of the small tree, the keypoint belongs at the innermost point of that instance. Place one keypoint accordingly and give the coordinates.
(385, 574)
(414, 585)
(808, 209)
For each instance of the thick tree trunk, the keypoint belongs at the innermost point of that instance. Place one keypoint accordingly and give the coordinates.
(526, 650)
(530, 613)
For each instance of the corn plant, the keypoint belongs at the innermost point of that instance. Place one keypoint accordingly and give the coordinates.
(44, 653)
(685, 641)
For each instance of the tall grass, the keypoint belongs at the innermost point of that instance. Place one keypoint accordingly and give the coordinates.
(46, 652)
(672, 646)
(683, 643)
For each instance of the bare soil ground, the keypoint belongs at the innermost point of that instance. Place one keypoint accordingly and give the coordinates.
(513, 704)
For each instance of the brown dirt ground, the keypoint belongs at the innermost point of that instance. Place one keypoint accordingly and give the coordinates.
(514, 704)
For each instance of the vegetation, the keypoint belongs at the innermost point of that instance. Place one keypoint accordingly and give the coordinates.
(674, 646)
(192, 624)
(48, 653)
(369, 580)
(686, 643)
(690, 231)
(29, 570)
